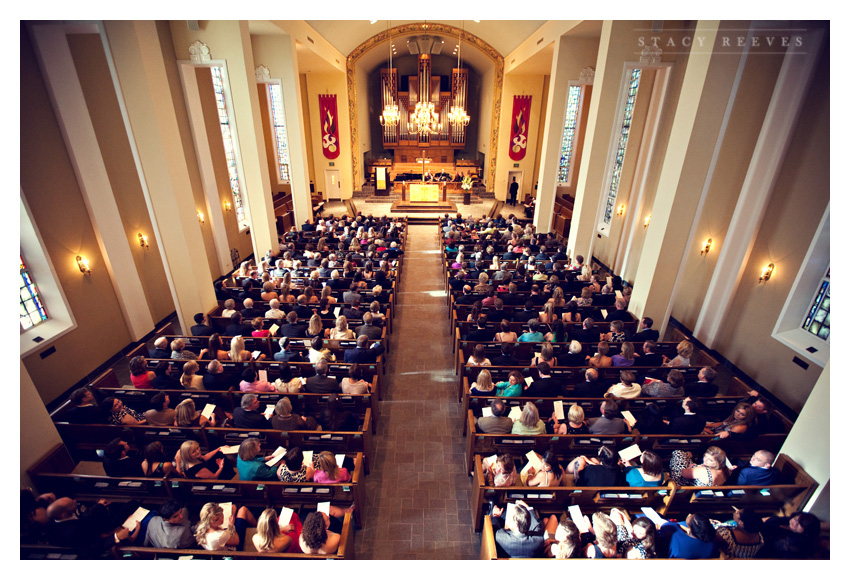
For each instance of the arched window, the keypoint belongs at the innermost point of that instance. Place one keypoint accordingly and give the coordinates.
(279, 131)
(229, 149)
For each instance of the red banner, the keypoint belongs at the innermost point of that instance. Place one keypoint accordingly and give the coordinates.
(519, 127)
(330, 127)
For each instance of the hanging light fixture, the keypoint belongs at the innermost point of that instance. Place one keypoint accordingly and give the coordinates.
(424, 119)
(458, 116)
(390, 116)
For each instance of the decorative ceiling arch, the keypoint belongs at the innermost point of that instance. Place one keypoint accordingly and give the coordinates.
(426, 28)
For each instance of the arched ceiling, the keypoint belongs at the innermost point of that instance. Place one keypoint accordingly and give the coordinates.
(503, 35)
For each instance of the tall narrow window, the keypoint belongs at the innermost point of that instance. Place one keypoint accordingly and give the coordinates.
(567, 143)
(229, 149)
(32, 309)
(279, 126)
(631, 96)
(817, 318)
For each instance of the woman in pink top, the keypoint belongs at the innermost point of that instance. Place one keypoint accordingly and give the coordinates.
(140, 375)
(328, 471)
(251, 384)
(258, 331)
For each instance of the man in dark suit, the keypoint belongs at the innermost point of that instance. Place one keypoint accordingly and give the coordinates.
(249, 312)
(363, 354)
(505, 357)
(688, 423)
(215, 379)
(85, 410)
(649, 358)
(704, 387)
(353, 312)
(467, 297)
(587, 333)
(527, 313)
(247, 414)
(644, 331)
(368, 330)
(308, 227)
(119, 462)
(545, 386)
(246, 289)
(301, 309)
(291, 328)
(83, 532)
(591, 387)
(321, 382)
(201, 328)
(161, 348)
(481, 333)
(620, 313)
(522, 537)
(513, 190)
(760, 471)
(236, 328)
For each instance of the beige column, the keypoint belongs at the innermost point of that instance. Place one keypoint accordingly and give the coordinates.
(571, 55)
(808, 441)
(158, 147)
(698, 125)
(83, 148)
(617, 45)
(252, 149)
(277, 52)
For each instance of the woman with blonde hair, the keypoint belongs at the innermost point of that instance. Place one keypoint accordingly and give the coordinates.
(187, 416)
(483, 385)
(238, 352)
(271, 537)
(548, 315)
(327, 471)
(605, 530)
(529, 422)
(327, 293)
(192, 464)
(217, 530)
(189, 380)
(575, 424)
(738, 422)
(315, 327)
(684, 352)
(341, 330)
(712, 471)
(557, 298)
(547, 355)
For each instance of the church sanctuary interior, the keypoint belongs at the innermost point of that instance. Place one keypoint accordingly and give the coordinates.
(379, 232)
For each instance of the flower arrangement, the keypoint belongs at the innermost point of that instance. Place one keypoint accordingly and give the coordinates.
(466, 184)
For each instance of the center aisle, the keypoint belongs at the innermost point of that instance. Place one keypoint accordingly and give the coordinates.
(417, 490)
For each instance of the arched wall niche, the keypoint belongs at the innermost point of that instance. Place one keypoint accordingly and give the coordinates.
(449, 32)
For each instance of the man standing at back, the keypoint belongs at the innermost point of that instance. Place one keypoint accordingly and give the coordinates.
(514, 190)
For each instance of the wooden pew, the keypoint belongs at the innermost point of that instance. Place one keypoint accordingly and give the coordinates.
(669, 500)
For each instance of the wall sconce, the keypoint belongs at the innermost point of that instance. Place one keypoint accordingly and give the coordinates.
(646, 221)
(621, 210)
(706, 246)
(143, 240)
(201, 217)
(228, 206)
(83, 264)
(766, 272)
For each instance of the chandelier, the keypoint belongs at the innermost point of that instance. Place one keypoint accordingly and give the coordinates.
(424, 120)
(457, 114)
(391, 115)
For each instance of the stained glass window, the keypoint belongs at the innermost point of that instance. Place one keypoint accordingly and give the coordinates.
(817, 317)
(569, 134)
(631, 96)
(279, 126)
(229, 150)
(32, 309)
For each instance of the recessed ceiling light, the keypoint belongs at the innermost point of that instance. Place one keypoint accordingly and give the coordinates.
(372, 21)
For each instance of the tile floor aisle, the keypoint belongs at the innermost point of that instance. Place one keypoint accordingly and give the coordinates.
(418, 492)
